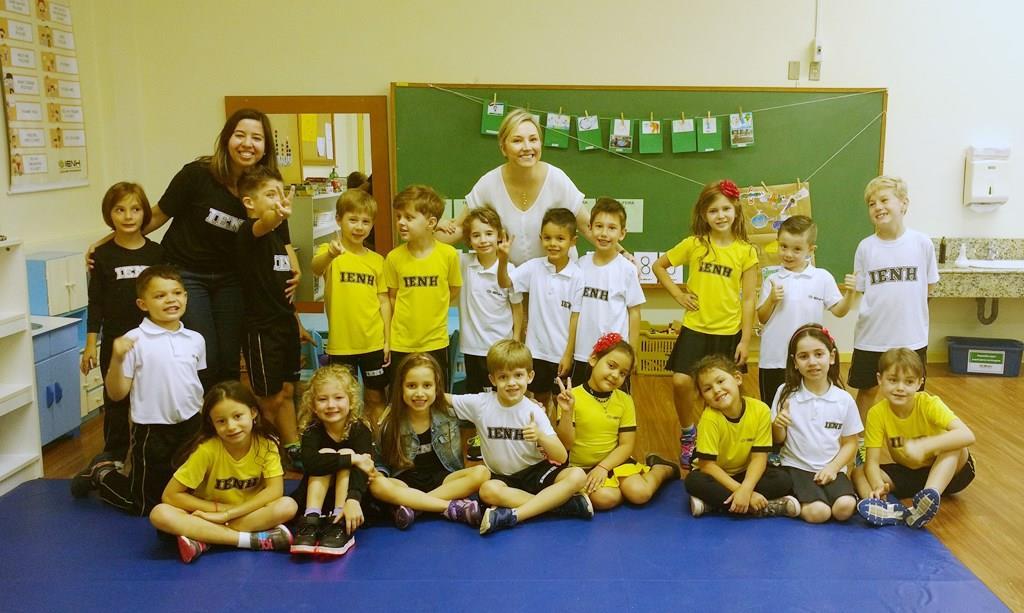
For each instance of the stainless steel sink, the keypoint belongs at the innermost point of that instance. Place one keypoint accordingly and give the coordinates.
(36, 326)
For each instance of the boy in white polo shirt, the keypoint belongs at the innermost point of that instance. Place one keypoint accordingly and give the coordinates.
(530, 473)
(552, 283)
(793, 296)
(488, 311)
(158, 363)
(609, 298)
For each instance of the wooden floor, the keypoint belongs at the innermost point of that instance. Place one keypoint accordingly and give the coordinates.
(981, 526)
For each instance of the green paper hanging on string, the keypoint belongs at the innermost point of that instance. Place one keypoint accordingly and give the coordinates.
(588, 133)
(556, 131)
(709, 134)
(684, 136)
(621, 139)
(651, 140)
(490, 120)
(741, 129)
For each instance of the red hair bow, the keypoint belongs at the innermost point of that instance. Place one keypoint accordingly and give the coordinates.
(825, 331)
(608, 340)
(728, 188)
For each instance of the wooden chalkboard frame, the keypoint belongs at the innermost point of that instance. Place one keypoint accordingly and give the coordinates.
(808, 136)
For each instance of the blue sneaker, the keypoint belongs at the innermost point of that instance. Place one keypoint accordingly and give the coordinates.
(497, 518)
(878, 512)
(577, 506)
(926, 505)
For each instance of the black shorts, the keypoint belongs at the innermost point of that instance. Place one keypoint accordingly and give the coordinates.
(863, 373)
(476, 374)
(423, 480)
(691, 346)
(807, 491)
(441, 355)
(908, 481)
(272, 356)
(581, 374)
(544, 374)
(768, 382)
(533, 479)
(375, 375)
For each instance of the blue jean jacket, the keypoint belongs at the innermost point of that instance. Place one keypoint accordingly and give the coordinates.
(445, 437)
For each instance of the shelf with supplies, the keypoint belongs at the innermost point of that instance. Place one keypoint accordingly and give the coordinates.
(20, 449)
(312, 222)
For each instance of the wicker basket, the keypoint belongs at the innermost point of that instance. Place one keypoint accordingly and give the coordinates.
(655, 346)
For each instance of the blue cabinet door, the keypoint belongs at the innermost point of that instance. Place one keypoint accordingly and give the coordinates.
(45, 400)
(60, 409)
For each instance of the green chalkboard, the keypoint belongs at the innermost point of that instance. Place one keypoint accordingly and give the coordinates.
(833, 137)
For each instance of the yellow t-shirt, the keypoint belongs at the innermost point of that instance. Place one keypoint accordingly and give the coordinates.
(352, 284)
(928, 417)
(420, 320)
(715, 276)
(598, 425)
(729, 443)
(212, 474)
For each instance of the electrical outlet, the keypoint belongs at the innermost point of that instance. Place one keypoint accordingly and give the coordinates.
(814, 71)
(794, 71)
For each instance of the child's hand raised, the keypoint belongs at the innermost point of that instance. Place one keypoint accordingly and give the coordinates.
(565, 400)
(505, 244)
(335, 248)
(849, 283)
(530, 432)
(783, 419)
(778, 292)
(122, 345)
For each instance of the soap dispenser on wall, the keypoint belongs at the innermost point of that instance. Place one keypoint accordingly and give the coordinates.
(986, 178)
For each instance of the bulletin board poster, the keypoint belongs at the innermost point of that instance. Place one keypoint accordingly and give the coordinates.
(42, 96)
(764, 208)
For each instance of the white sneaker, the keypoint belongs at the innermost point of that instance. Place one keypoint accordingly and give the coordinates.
(697, 506)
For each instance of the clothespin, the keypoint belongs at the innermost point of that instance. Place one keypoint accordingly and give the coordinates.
(495, 99)
(798, 184)
(682, 116)
(622, 116)
(586, 113)
(709, 114)
(741, 112)
(652, 115)
(559, 110)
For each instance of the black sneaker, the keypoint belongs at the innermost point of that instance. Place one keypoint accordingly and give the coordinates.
(577, 506)
(88, 479)
(654, 459)
(306, 536)
(497, 518)
(334, 541)
(473, 449)
(294, 454)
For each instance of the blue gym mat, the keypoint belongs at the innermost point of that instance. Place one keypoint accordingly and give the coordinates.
(63, 554)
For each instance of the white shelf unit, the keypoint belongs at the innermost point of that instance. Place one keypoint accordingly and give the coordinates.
(312, 222)
(20, 452)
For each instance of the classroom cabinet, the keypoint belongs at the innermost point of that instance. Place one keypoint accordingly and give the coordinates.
(57, 282)
(312, 222)
(20, 457)
(58, 385)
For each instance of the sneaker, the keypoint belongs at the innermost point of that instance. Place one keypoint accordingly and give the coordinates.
(334, 541)
(577, 506)
(774, 459)
(687, 445)
(277, 539)
(89, 477)
(294, 454)
(697, 506)
(464, 510)
(306, 536)
(926, 505)
(190, 549)
(653, 460)
(787, 506)
(497, 518)
(403, 516)
(878, 512)
(473, 449)
(862, 453)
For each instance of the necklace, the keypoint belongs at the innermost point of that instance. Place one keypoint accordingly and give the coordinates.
(524, 200)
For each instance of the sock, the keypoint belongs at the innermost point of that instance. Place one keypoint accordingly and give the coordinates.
(689, 431)
(310, 511)
(336, 512)
(245, 540)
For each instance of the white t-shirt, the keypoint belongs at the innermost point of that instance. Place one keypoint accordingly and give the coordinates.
(558, 191)
(816, 425)
(894, 277)
(806, 296)
(603, 300)
(164, 367)
(550, 304)
(501, 430)
(484, 307)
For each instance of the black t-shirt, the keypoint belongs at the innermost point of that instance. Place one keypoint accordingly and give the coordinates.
(426, 460)
(206, 217)
(317, 464)
(265, 268)
(112, 294)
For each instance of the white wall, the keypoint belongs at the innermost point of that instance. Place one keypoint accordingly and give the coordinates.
(155, 74)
